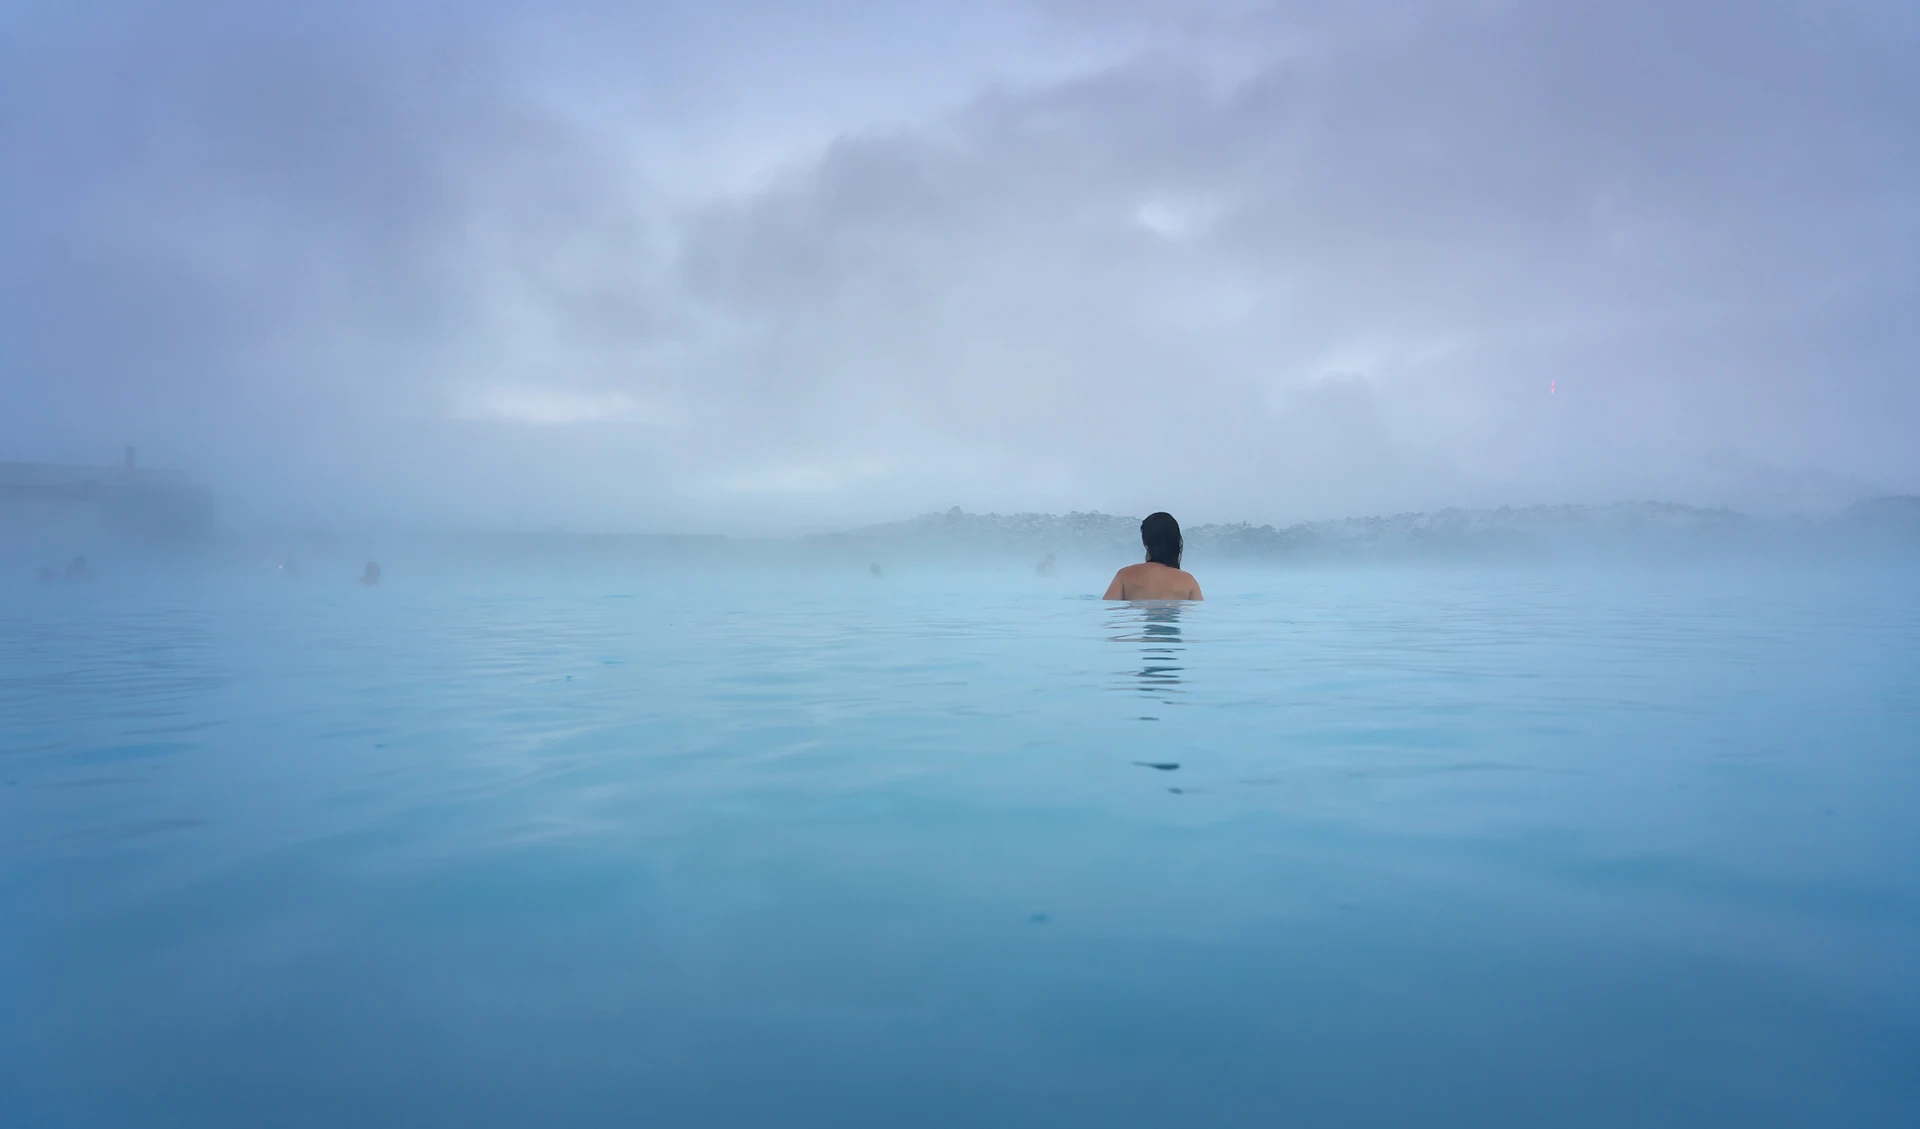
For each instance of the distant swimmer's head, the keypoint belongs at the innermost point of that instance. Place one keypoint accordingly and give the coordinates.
(372, 575)
(1161, 535)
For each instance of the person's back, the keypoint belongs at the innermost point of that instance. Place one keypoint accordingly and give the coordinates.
(1153, 581)
(1160, 576)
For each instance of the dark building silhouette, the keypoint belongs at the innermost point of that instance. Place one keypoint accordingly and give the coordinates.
(117, 502)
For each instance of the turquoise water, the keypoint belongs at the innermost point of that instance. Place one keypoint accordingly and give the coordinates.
(1452, 847)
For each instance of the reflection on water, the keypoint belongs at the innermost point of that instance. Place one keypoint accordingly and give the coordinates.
(1154, 627)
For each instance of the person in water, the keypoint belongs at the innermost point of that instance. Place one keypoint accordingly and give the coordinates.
(372, 575)
(1159, 577)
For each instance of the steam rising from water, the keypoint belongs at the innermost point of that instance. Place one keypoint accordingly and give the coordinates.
(748, 268)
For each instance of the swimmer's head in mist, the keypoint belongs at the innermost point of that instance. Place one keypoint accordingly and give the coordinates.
(1161, 536)
(372, 574)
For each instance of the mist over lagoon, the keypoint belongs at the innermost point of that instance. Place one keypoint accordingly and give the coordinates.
(142, 518)
(1034, 563)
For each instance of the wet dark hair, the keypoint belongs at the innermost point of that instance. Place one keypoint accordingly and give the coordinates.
(1161, 535)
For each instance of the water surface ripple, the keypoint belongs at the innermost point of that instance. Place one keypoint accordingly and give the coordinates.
(1459, 847)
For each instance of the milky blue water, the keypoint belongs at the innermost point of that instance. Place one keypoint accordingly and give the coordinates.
(1443, 848)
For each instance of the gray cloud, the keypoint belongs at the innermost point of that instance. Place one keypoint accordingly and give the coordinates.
(717, 267)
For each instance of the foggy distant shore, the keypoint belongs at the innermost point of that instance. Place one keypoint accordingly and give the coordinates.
(1595, 533)
(1624, 527)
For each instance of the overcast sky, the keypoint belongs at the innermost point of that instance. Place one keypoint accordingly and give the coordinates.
(766, 267)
